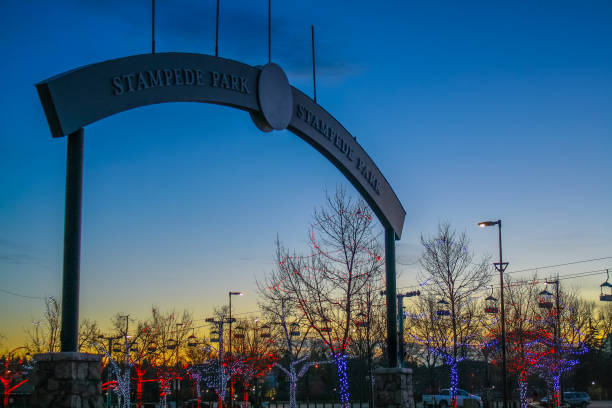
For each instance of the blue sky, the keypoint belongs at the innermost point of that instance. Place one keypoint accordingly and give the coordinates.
(472, 111)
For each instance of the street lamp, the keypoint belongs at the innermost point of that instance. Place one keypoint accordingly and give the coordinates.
(556, 328)
(501, 267)
(400, 316)
(177, 344)
(230, 344)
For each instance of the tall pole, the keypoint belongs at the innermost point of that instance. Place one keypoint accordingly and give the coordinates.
(177, 381)
(400, 317)
(231, 359)
(108, 373)
(269, 31)
(152, 26)
(390, 296)
(400, 332)
(217, 32)
(314, 74)
(69, 333)
(501, 268)
(558, 337)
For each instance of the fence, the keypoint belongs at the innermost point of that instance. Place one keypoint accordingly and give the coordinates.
(315, 404)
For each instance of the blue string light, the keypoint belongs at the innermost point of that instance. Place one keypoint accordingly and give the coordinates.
(341, 364)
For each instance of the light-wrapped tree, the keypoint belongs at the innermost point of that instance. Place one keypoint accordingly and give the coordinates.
(325, 284)
(454, 280)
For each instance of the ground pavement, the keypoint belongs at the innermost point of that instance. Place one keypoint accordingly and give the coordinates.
(600, 404)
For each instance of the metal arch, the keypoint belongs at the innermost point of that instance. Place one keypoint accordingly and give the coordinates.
(79, 97)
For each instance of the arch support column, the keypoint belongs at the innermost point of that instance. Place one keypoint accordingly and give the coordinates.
(390, 294)
(69, 334)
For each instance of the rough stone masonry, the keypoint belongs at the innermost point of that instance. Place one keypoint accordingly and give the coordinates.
(69, 379)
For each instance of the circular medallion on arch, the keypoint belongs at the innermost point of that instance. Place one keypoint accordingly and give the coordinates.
(275, 96)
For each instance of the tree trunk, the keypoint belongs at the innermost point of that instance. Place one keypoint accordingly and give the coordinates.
(454, 382)
(523, 389)
(292, 392)
(341, 366)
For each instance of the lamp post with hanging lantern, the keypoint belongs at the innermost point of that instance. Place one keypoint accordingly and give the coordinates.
(491, 305)
(400, 315)
(230, 344)
(606, 295)
(501, 267)
(442, 309)
(545, 302)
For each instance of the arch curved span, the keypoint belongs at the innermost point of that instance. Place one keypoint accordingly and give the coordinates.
(76, 98)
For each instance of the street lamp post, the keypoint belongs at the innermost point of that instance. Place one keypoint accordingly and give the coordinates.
(501, 267)
(177, 381)
(557, 333)
(400, 315)
(230, 345)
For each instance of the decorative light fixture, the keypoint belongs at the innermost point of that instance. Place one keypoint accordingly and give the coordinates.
(491, 305)
(443, 308)
(545, 299)
(294, 330)
(606, 297)
(192, 341)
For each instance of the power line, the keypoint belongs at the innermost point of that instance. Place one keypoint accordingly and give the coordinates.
(573, 275)
(410, 263)
(563, 264)
(21, 295)
(523, 270)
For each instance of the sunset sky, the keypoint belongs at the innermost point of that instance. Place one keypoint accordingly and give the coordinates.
(471, 110)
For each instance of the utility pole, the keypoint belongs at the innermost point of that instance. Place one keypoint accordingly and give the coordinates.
(230, 344)
(400, 318)
(501, 268)
(557, 333)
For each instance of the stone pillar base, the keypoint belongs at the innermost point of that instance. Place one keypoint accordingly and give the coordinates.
(393, 388)
(67, 380)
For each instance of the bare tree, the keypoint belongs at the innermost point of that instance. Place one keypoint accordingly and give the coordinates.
(43, 337)
(253, 354)
(88, 335)
(369, 331)
(169, 331)
(287, 328)
(521, 308)
(602, 322)
(425, 335)
(325, 284)
(563, 330)
(454, 280)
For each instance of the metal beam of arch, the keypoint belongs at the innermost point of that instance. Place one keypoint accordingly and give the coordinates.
(79, 97)
(82, 96)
